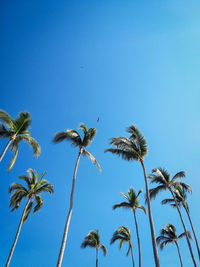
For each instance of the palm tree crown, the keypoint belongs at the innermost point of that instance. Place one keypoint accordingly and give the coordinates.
(34, 188)
(132, 148)
(132, 201)
(161, 177)
(122, 234)
(76, 140)
(168, 235)
(93, 240)
(17, 130)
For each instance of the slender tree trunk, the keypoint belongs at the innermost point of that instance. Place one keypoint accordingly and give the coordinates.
(179, 253)
(138, 238)
(5, 149)
(17, 234)
(193, 231)
(188, 241)
(62, 248)
(155, 251)
(132, 255)
(97, 257)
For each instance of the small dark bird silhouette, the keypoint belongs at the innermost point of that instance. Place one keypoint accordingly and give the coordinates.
(98, 119)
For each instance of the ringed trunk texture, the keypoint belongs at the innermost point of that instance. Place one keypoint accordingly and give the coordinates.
(138, 238)
(188, 241)
(62, 248)
(153, 238)
(5, 149)
(196, 241)
(17, 235)
(97, 257)
(179, 253)
(132, 255)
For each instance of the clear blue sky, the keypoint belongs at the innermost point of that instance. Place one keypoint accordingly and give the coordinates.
(141, 64)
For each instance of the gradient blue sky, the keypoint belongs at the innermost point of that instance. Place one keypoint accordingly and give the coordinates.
(141, 66)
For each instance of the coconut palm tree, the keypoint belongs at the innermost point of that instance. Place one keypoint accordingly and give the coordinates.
(168, 235)
(93, 240)
(17, 130)
(34, 187)
(135, 148)
(181, 196)
(123, 234)
(76, 140)
(133, 204)
(161, 177)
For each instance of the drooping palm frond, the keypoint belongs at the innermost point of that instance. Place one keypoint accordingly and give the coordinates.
(22, 123)
(154, 191)
(122, 205)
(83, 128)
(91, 157)
(183, 235)
(4, 133)
(104, 249)
(126, 155)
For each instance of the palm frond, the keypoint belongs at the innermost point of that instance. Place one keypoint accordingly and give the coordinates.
(39, 203)
(122, 205)
(13, 160)
(126, 155)
(184, 234)
(104, 249)
(178, 176)
(5, 118)
(92, 158)
(22, 122)
(129, 249)
(4, 133)
(154, 191)
(28, 211)
(142, 208)
(70, 135)
(83, 128)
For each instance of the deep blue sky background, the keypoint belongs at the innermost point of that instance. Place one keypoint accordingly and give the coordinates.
(141, 66)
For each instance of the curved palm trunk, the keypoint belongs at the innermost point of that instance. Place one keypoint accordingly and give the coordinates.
(179, 253)
(96, 257)
(5, 149)
(132, 256)
(196, 241)
(17, 235)
(188, 241)
(138, 238)
(62, 248)
(155, 251)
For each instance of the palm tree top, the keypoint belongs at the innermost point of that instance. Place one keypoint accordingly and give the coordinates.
(161, 177)
(75, 138)
(132, 148)
(132, 200)
(168, 235)
(93, 240)
(34, 187)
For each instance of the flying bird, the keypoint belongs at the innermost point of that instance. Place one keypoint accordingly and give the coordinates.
(98, 119)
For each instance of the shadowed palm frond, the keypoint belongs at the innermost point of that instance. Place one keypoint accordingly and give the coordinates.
(69, 135)
(126, 155)
(154, 191)
(4, 133)
(183, 235)
(122, 205)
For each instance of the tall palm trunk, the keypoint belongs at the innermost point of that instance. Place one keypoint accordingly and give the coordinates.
(17, 234)
(179, 253)
(132, 255)
(97, 257)
(188, 241)
(155, 251)
(138, 238)
(196, 241)
(5, 149)
(62, 248)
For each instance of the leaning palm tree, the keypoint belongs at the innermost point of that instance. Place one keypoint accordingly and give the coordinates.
(76, 140)
(133, 204)
(161, 177)
(123, 234)
(181, 196)
(135, 148)
(93, 240)
(168, 235)
(17, 130)
(32, 192)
